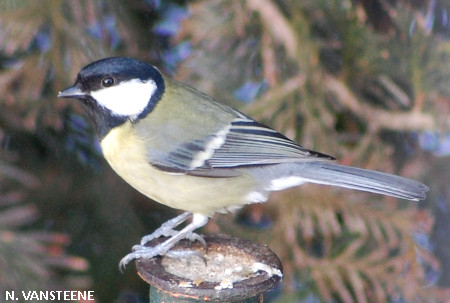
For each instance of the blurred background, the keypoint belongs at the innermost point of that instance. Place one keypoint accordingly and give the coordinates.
(367, 81)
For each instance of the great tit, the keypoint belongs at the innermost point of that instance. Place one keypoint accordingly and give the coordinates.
(180, 147)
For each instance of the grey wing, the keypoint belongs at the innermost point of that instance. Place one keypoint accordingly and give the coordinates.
(242, 143)
(251, 143)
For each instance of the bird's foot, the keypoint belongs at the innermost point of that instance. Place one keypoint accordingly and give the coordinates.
(159, 250)
(164, 248)
(170, 233)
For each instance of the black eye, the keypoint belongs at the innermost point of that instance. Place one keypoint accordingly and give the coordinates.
(108, 81)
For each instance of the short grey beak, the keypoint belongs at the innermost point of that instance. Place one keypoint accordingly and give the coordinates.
(71, 92)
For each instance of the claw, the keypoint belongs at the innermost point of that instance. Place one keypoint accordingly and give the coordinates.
(196, 237)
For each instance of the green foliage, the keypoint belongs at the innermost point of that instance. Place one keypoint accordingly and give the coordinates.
(43, 44)
(328, 72)
(32, 259)
(325, 73)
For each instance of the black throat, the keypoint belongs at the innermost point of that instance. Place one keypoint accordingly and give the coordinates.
(102, 118)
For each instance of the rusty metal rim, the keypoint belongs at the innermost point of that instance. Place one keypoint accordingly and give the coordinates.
(152, 271)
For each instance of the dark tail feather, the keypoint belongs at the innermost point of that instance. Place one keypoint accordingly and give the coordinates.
(363, 179)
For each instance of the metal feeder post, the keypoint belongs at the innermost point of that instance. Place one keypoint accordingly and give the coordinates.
(236, 270)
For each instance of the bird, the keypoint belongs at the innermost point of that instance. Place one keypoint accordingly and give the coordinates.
(182, 148)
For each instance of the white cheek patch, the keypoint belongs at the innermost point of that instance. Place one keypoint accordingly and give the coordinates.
(129, 98)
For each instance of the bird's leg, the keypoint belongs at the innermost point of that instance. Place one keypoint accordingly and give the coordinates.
(141, 251)
(167, 228)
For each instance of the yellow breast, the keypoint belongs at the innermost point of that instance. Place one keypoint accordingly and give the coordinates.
(126, 153)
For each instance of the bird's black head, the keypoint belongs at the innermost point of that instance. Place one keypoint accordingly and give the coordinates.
(115, 90)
